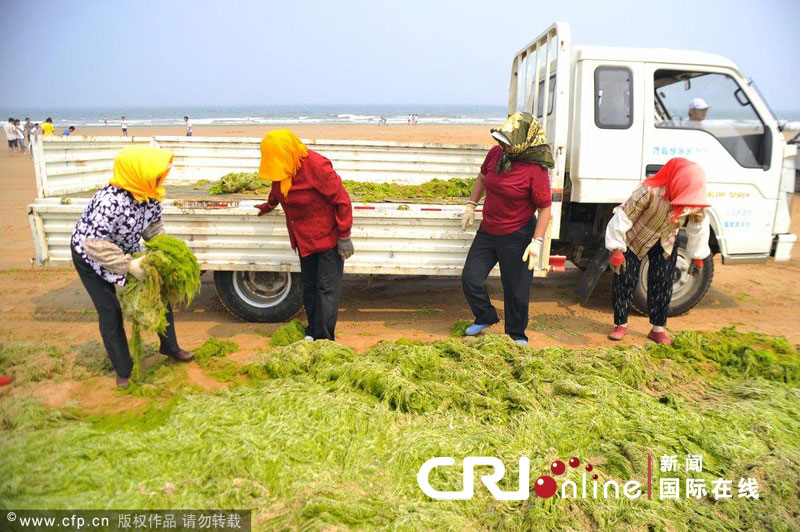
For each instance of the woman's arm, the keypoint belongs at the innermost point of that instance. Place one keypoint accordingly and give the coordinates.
(478, 189)
(543, 217)
(698, 233)
(468, 218)
(156, 226)
(616, 231)
(329, 185)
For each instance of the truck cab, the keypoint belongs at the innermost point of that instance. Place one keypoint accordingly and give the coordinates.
(616, 115)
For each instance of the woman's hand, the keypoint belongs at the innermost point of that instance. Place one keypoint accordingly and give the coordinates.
(468, 218)
(617, 261)
(135, 268)
(696, 267)
(532, 253)
(345, 248)
(264, 208)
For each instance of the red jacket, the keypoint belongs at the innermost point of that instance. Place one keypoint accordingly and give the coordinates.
(317, 207)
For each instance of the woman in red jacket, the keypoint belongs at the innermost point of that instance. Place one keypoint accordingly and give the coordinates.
(517, 185)
(319, 216)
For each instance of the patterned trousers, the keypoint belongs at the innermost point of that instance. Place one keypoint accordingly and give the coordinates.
(660, 273)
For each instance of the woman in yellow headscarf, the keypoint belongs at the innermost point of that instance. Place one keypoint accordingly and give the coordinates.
(117, 217)
(319, 216)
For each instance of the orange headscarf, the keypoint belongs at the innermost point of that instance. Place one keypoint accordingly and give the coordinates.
(281, 154)
(141, 170)
(685, 184)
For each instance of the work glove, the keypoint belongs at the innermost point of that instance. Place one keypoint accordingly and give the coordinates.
(468, 218)
(617, 261)
(135, 268)
(345, 248)
(532, 253)
(696, 267)
(264, 208)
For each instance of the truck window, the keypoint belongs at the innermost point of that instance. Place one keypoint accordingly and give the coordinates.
(613, 97)
(550, 97)
(714, 103)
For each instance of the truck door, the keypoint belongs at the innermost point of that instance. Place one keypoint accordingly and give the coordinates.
(607, 141)
(540, 85)
(707, 115)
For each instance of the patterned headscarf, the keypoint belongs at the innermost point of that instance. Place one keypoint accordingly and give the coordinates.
(525, 141)
(281, 154)
(141, 170)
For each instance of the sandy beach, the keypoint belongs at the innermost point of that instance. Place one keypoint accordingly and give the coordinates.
(460, 134)
(49, 304)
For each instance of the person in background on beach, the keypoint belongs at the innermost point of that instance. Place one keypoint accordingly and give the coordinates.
(35, 132)
(27, 127)
(20, 136)
(647, 224)
(319, 216)
(67, 132)
(107, 235)
(188, 126)
(11, 134)
(47, 127)
(124, 125)
(517, 185)
(105, 121)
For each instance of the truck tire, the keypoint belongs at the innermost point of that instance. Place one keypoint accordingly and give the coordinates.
(265, 297)
(687, 290)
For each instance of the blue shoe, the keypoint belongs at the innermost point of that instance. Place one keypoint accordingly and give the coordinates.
(521, 342)
(474, 329)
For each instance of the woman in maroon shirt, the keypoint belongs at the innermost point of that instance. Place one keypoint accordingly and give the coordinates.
(517, 185)
(319, 217)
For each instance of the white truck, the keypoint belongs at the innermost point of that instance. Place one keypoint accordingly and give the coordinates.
(613, 116)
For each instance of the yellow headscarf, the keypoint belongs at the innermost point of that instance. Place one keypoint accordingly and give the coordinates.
(281, 154)
(141, 170)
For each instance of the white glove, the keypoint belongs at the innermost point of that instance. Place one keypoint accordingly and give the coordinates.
(468, 218)
(135, 268)
(532, 253)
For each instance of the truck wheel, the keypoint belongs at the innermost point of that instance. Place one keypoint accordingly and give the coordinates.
(269, 297)
(687, 290)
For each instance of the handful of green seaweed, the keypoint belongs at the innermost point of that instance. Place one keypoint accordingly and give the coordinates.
(237, 182)
(172, 278)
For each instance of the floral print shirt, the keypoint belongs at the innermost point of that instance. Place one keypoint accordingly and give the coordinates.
(113, 215)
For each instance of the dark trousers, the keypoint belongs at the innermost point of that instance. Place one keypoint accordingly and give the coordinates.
(486, 251)
(660, 271)
(104, 298)
(322, 287)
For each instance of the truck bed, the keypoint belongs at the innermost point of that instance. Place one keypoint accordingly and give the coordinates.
(403, 236)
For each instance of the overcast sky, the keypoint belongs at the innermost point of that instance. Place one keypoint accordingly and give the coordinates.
(97, 53)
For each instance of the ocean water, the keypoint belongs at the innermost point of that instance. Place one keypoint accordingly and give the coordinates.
(266, 115)
(297, 114)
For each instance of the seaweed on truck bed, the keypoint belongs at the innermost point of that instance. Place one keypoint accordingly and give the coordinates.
(435, 189)
(239, 182)
(172, 278)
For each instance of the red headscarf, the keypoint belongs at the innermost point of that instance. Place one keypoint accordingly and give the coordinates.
(685, 184)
